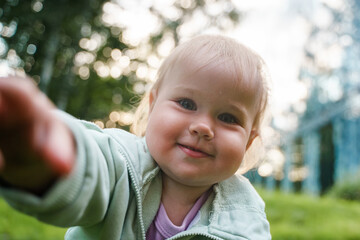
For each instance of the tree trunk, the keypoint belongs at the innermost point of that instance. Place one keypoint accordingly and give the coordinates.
(49, 59)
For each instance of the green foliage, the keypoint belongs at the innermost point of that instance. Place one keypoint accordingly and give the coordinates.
(299, 216)
(348, 189)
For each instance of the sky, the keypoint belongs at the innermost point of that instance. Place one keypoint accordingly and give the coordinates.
(277, 30)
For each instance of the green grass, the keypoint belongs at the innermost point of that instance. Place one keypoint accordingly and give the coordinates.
(17, 226)
(291, 216)
(298, 216)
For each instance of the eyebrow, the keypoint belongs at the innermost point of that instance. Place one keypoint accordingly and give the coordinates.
(188, 89)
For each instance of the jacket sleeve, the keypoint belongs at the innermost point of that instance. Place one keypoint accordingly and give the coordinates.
(83, 197)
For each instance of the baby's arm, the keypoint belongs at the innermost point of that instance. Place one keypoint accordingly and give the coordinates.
(35, 146)
(40, 145)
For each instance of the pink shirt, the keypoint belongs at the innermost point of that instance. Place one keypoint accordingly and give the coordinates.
(162, 227)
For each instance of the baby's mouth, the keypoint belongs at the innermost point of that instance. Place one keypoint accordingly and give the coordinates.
(196, 151)
(191, 148)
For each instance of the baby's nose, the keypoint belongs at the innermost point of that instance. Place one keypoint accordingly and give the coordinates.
(203, 130)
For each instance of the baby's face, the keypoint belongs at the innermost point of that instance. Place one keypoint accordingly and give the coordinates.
(200, 124)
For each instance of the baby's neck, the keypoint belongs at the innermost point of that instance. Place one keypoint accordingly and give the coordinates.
(178, 199)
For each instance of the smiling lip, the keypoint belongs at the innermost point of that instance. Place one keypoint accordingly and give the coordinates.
(193, 152)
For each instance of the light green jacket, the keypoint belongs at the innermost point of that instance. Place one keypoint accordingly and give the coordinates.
(114, 193)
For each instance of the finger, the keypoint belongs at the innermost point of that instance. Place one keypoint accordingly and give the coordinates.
(1, 105)
(16, 96)
(2, 161)
(20, 101)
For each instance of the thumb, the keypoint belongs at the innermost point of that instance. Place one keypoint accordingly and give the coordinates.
(56, 145)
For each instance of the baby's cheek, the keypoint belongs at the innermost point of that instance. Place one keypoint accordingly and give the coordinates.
(155, 138)
(233, 150)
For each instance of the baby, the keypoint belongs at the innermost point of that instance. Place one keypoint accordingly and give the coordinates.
(178, 181)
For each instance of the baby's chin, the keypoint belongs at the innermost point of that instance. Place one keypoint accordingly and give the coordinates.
(189, 180)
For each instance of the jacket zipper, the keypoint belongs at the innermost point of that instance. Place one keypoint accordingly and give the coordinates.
(138, 199)
(180, 235)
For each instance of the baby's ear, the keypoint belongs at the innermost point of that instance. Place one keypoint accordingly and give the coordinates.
(152, 99)
(253, 134)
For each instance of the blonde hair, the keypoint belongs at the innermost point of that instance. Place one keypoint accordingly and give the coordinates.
(247, 65)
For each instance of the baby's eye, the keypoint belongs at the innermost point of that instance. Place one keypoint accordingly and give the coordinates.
(228, 118)
(187, 104)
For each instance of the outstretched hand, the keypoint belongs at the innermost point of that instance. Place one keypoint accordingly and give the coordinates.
(36, 147)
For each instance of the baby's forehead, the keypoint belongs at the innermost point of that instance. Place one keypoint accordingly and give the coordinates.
(231, 76)
(224, 74)
(222, 67)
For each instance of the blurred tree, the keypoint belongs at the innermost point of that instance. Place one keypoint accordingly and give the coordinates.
(85, 54)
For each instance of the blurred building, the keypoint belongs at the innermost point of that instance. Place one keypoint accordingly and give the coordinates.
(324, 148)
